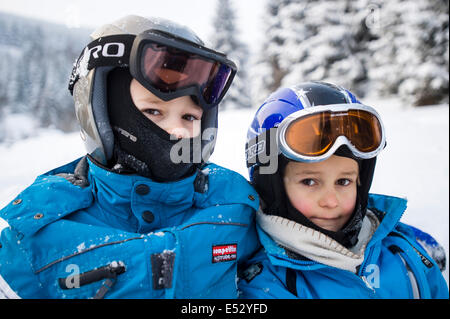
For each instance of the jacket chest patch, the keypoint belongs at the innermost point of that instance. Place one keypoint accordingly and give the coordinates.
(221, 253)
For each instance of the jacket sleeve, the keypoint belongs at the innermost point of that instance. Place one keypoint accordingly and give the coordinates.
(17, 279)
(438, 285)
(431, 246)
(431, 268)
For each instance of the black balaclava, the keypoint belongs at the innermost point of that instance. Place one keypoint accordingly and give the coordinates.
(141, 146)
(272, 191)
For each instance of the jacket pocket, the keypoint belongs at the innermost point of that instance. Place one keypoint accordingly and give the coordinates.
(107, 275)
(106, 270)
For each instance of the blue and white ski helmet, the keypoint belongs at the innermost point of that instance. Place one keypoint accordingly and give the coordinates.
(280, 105)
(286, 101)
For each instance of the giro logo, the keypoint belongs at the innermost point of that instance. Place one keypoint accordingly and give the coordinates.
(264, 151)
(108, 50)
(255, 149)
(84, 64)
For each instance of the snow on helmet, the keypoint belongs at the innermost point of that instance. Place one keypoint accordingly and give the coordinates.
(88, 82)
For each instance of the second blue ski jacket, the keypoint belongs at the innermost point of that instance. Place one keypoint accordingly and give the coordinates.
(389, 262)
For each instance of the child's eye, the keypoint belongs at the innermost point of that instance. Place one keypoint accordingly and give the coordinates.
(344, 182)
(308, 182)
(152, 112)
(190, 117)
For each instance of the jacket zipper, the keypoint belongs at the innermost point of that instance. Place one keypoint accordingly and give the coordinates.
(360, 277)
(364, 279)
(362, 269)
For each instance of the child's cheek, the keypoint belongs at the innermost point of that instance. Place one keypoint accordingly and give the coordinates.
(303, 206)
(348, 206)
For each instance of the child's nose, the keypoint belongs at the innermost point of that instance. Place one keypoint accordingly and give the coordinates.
(178, 132)
(175, 128)
(329, 199)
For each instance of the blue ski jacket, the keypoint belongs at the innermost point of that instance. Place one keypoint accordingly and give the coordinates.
(392, 264)
(126, 236)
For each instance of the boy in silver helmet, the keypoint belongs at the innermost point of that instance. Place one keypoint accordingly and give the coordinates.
(143, 214)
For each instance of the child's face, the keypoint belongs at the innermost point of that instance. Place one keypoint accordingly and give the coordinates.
(325, 192)
(180, 117)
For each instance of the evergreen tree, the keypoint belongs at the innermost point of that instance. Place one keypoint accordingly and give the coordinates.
(322, 44)
(395, 47)
(313, 40)
(37, 59)
(410, 58)
(268, 73)
(226, 39)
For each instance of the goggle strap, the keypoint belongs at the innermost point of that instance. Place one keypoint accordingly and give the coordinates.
(111, 50)
(262, 149)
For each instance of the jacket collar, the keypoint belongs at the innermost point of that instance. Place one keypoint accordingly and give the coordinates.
(131, 197)
(276, 232)
(390, 210)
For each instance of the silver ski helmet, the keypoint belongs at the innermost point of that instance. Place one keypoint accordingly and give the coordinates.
(119, 44)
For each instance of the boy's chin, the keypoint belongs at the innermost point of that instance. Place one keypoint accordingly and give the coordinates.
(332, 225)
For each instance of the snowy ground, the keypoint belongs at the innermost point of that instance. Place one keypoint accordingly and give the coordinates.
(415, 163)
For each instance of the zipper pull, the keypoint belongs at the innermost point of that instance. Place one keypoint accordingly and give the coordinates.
(109, 271)
(364, 279)
(116, 268)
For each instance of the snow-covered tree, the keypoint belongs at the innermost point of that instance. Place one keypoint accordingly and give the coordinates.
(267, 73)
(369, 46)
(410, 58)
(313, 40)
(323, 43)
(37, 59)
(225, 38)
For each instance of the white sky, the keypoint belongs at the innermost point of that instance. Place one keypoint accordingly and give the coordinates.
(196, 14)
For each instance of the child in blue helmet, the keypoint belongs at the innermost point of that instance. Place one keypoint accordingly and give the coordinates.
(324, 235)
(135, 217)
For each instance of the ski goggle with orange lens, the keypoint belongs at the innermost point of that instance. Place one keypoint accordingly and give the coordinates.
(166, 65)
(314, 134)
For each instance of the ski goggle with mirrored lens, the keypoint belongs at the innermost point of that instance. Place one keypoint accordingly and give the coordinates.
(168, 66)
(314, 134)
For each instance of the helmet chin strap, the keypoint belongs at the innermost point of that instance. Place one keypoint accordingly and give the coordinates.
(139, 144)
